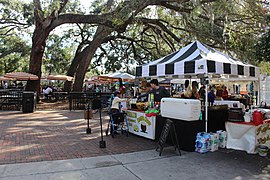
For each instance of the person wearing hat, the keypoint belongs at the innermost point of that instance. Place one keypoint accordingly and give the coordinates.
(158, 91)
(115, 108)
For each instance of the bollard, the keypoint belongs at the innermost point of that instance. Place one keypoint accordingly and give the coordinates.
(88, 115)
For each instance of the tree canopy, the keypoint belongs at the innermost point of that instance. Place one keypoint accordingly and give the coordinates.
(123, 32)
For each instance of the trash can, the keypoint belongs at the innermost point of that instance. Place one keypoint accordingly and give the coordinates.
(28, 102)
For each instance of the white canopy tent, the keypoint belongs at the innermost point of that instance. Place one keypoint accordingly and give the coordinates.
(198, 60)
(121, 75)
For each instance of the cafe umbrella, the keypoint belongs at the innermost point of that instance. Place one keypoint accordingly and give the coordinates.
(59, 77)
(21, 76)
(2, 78)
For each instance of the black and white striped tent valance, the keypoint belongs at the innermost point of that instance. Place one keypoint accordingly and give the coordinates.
(195, 59)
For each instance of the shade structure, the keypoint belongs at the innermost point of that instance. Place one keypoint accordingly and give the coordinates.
(121, 75)
(60, 77)
(114, 77)
(21, 76)
(2, 78)
(197, 59)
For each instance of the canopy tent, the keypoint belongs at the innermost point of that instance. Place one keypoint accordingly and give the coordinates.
(113, 78)
(21, 76)
(196, 60)
(121, 75)
(59, 77)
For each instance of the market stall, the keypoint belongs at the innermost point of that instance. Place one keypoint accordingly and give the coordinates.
(199, 61)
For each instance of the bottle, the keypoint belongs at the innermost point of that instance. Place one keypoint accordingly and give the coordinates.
(152, 100)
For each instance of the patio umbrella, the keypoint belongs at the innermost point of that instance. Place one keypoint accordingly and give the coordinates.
(60, 77)
(21, 76)
(2, 78)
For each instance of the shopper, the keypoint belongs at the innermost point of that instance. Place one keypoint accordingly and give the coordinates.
(115, 108)
(211, 96)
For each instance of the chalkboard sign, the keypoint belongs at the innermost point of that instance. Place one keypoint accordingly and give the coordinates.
(168, 128)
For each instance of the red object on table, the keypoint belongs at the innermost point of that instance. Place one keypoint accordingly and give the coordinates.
(257, 117)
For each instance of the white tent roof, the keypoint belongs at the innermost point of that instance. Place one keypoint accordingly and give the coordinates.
(197, 59)
(121, 75)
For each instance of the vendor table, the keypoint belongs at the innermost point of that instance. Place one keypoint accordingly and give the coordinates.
(140, 124)
(216, 120)
(151, 127)
(242, 100)
(229, 103)
(246, 136)
(186, 132)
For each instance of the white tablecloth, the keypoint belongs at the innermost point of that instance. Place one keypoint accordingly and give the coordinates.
(229, 103)
(247, 137)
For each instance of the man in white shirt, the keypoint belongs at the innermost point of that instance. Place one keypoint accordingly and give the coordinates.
(47, 91)
(115, 103)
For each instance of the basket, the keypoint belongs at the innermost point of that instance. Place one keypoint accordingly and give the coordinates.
(140, 106)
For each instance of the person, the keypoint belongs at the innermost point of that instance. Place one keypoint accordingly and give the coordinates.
(5, 85)
(47, 91)
(225, 94)
(115, 107)
(158, 91)
(194, 93)
(211, 96)
(121, 87)
(202, 92)
(187, 93)
(144, 97)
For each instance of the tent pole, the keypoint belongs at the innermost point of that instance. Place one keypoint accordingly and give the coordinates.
(206, 106)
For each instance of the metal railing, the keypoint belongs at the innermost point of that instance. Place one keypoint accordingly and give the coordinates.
(11, 99)
(80, 100)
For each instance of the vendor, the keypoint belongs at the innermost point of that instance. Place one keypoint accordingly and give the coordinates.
(225, 94)
(158, 91)
(144, 97)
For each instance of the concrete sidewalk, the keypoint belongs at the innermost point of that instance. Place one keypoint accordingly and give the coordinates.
(145, 165)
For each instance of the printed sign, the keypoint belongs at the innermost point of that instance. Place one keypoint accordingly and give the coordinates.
(263, 134)
(141, 125)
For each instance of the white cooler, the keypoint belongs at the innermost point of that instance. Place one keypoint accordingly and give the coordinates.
(180, 109)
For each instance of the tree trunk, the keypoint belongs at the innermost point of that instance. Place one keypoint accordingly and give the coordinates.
(73, 67)
(101, 33)
(38, 46)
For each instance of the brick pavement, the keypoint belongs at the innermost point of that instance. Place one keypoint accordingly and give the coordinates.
(57, 135)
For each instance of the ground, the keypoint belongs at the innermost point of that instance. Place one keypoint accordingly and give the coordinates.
(59, 105)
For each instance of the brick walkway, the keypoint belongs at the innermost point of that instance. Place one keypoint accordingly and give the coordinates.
(56, 135)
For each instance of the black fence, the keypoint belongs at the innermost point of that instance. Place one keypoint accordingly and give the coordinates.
(11, 99)
(80, 100)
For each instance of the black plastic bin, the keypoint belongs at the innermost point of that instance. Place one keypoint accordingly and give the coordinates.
(28, 102)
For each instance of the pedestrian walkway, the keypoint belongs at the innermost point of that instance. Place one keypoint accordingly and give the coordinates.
(54, 145)
(143, 165)
(58, 135)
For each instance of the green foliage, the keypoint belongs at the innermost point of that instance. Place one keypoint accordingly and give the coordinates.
(58, 55)
(14, 54)
(262, 48)
(265, 67)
